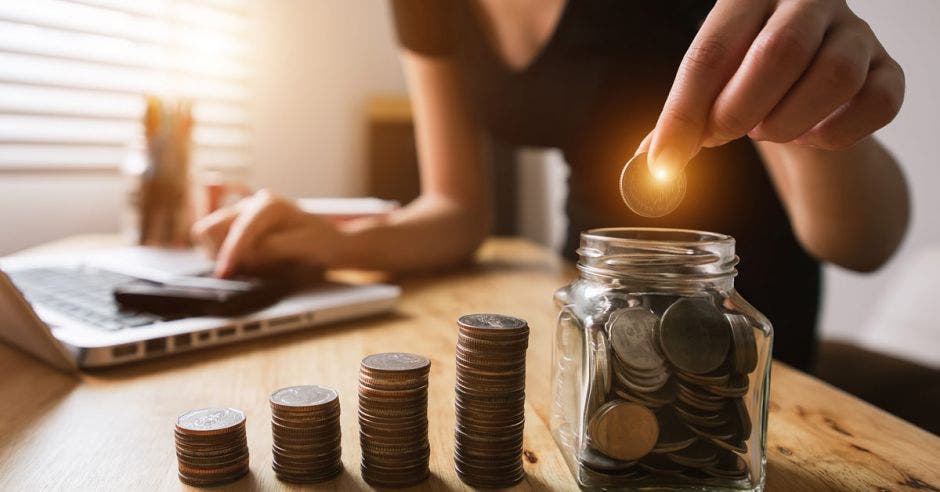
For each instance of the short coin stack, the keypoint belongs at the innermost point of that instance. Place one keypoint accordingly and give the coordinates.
(306, 434)
(393, 419)
(490, 401)
(211, 446)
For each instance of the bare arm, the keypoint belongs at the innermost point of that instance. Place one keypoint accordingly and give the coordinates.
(849, 207)
(443, 226)
(451, 217)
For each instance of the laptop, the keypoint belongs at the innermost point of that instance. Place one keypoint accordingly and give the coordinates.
(60, 308)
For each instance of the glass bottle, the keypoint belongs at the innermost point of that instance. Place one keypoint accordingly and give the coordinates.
(661, 369)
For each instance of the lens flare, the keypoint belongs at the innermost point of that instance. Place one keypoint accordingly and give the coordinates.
(661, 174)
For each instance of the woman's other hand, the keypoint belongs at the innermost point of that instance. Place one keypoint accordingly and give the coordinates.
(264, 233)
(808, 72)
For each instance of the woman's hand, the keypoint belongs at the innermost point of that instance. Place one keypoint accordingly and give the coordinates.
(808, 72)
(264, 233)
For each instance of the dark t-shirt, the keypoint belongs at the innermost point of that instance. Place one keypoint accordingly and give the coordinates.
(594, 91)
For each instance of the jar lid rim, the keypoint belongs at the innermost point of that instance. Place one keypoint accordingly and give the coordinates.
(622, 234)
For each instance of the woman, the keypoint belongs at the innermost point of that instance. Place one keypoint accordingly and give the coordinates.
(773, 102)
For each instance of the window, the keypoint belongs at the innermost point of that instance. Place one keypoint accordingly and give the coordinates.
(73, 74)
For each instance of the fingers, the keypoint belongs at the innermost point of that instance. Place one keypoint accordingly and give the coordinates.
(295, 246)
(274, 260)
(263, 213)
(776, 60)
(711, 60)
(835, 76)
(289, 254)
(812, 73)
(872, 108)
(210, 231)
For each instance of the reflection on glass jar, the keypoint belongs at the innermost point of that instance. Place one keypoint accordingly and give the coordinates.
(661, 369)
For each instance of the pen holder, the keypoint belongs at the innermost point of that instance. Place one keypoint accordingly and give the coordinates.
(159, 205)
(661, 369)
(157, 175)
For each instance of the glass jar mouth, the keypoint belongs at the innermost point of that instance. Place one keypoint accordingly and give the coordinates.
(675, 237)
(657, 254)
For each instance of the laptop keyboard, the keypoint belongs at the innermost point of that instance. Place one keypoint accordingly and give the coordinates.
(82, 293)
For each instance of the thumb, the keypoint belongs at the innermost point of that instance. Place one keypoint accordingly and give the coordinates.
(644, 145)
(670, 149)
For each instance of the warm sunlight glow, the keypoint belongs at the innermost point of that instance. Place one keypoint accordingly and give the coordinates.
(661, 174)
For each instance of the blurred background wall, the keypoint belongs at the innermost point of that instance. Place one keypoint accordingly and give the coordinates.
(314, 66)
(316, 63)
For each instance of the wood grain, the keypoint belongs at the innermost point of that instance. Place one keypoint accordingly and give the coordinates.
(112, 429)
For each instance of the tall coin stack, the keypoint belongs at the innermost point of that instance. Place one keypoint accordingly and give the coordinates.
(490, 403)
(211, 446)
(393, 419)
(306, 434)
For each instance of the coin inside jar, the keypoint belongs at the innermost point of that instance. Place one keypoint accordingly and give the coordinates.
(695, 336)
(647, 194)
(632, 334)
(601, 359)
(744, 344)
(624, 431)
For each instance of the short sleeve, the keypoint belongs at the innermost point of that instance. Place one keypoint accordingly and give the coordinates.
(424, 26)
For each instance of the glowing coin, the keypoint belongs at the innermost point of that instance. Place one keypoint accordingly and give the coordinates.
(647, 194)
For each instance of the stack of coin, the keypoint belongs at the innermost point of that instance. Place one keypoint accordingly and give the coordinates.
(641, 372)
(673, 404)
(490, 401)
(393, 419)
(211, 446)
(306, 434)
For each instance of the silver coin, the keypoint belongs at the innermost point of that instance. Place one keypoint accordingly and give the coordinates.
(735, 387)
(396, 361)
(648, 195)
(598, 461)
(673, 433)
(698, 455)
(745, 345)
(595, 397)
(645, 378)
(497, 321)
(695, 335)
(614, 300)
(210, 419)
(303, 396)
(632, 331)
(601, 357)
(640, 385)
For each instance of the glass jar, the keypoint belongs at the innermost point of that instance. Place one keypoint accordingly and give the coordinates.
(661, 369)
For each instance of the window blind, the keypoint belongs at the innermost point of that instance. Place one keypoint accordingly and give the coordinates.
(73, 75)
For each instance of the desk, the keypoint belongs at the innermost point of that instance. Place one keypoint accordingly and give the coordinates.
(113, 429)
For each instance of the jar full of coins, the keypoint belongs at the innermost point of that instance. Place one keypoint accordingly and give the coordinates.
(661, 370)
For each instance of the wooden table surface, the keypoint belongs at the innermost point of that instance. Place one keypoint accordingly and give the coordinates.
(113, 429)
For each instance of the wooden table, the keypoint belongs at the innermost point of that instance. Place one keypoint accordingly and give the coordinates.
(112, 429)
